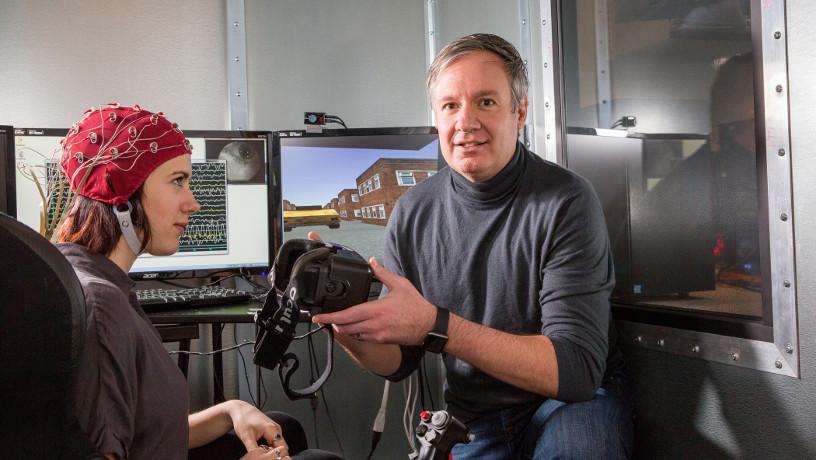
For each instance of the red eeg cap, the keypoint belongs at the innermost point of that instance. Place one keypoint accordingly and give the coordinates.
(108, 154)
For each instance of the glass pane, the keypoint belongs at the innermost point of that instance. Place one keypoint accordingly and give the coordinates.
(660, 117)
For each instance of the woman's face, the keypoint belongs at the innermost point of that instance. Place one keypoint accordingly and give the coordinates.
(168, 202)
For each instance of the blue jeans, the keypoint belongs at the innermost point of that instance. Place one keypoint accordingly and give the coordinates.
(600, 428)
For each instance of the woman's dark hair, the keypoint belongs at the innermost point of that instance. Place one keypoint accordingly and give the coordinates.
(92, 224)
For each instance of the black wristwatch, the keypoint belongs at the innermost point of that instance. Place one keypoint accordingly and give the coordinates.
(438, 336)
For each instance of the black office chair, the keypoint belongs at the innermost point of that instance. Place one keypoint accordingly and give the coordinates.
(42, 315)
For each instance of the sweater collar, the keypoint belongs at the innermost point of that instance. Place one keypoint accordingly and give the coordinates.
(494, 190)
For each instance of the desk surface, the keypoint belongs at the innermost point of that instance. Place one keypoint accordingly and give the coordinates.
(236, 313)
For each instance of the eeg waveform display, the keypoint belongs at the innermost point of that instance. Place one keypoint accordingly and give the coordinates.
(207, 231)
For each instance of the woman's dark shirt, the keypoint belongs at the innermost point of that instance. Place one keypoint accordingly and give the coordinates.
(132, 399)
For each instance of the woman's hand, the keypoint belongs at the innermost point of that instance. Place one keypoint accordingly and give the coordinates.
(250, 424)
(267, 453)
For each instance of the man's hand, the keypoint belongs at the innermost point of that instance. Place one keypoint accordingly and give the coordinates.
(377, 358)
(402, 317)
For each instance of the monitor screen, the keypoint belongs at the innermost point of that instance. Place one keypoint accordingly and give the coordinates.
(232, 181)
(7, 175)
(343, 183)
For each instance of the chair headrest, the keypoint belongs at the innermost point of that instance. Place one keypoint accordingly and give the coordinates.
(43, 307)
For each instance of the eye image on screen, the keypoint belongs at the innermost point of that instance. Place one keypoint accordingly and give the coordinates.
(347, 194)
(244, 157)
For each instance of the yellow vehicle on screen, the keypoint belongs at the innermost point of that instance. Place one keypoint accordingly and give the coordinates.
(292, 219)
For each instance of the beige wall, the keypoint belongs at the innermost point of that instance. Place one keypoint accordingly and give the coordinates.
(363, 60)
(58, 58)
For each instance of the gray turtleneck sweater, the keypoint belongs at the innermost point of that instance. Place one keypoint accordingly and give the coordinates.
(526, 252)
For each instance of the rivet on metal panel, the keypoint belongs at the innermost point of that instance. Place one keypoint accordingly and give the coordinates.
(525, 62)
(784, 217)
(734, 356)
(660, 342)
(237, 94)
(543, 22)
(548, 136)
(777, 35)
(786, 283)
(781, 152)
(547, 104)
(695, 349)
(604, 101)
(524, 22)
(546, 65)
(789, 348)
(236, 24)
(778, 88)
(778, 364)
(236, 59)
(638, 339)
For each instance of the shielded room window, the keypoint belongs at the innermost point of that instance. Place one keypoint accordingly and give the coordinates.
(662, 104)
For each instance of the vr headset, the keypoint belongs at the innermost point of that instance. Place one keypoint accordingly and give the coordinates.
(308, 277)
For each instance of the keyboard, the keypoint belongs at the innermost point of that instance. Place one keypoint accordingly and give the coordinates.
(168, 299)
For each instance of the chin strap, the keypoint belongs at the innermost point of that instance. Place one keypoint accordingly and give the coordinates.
(126, 226)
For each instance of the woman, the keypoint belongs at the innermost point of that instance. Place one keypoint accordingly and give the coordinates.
(130, 170)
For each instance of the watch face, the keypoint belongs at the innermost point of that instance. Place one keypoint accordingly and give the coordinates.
(435, 342)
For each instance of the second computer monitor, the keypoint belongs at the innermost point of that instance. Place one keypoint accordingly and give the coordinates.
(344, 183)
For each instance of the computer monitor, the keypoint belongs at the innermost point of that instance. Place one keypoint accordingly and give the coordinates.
(344, 183)
(237, 227)
(7, 175)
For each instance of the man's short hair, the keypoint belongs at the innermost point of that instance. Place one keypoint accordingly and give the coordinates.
(514, 65)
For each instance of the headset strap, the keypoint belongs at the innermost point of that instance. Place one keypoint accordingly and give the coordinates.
(290, 359)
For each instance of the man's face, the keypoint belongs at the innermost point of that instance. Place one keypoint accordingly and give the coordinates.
(474, 115)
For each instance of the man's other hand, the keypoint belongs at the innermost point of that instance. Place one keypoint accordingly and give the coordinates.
(402, 317)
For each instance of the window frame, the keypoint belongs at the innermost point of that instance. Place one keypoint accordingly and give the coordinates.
(772, 346)
(407, 173)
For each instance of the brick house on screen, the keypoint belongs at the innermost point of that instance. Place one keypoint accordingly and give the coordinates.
(331, 204)
(348, 204)
(385, 181)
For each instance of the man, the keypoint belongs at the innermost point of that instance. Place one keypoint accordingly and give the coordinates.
(502, 263)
